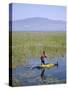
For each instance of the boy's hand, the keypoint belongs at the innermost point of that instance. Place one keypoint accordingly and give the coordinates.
(45, 56)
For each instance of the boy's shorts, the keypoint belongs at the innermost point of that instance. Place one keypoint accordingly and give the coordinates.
(43, 61)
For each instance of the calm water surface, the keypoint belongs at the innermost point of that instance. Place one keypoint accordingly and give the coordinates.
(25, 75)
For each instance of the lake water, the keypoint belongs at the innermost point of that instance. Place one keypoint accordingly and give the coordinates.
(25, 75)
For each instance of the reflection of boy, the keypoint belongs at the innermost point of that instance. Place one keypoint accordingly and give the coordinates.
(42, 74)
(42, 57)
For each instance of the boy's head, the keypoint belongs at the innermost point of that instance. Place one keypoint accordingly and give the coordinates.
(43, 52)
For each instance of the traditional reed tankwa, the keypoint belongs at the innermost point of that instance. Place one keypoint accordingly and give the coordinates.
(48, 65)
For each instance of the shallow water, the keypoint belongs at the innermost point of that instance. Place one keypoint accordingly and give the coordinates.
(25, 75)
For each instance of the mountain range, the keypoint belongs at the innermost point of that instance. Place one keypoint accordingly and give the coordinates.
(38, 24)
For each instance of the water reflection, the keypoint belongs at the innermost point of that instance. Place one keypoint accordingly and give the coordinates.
(42, 74)
(32, 74)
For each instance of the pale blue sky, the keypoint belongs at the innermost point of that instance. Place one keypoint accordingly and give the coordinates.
(23, 11)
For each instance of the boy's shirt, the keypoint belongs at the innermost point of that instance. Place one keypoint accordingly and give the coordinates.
(43, 56)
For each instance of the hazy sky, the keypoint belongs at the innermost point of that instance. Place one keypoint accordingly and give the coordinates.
(22, 11)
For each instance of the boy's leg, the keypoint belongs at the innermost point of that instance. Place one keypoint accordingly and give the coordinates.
(42, 62)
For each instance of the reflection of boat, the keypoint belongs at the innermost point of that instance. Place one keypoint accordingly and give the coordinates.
(43, 67)
(48, 65)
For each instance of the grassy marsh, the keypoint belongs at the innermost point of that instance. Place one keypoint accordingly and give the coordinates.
(31, 44)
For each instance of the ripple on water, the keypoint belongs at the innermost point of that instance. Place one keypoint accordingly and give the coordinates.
(28, 76)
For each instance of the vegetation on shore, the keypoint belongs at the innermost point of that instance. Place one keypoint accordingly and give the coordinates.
(31, 44)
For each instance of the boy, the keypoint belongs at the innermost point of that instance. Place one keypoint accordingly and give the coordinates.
(42, 57)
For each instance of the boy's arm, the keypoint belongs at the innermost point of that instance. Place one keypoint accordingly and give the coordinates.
(45, 56)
